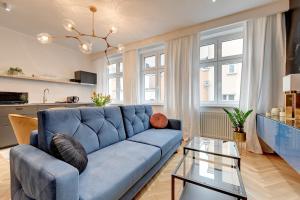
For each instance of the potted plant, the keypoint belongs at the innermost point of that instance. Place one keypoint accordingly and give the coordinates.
(14, 71)
(238, 119)
(100, 100)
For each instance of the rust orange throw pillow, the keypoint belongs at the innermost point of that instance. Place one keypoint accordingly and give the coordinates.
(159, 120)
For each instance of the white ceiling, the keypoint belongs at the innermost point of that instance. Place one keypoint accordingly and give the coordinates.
(135, 19)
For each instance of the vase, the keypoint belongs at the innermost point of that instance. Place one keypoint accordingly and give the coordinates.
(240, 139)
(239, 136)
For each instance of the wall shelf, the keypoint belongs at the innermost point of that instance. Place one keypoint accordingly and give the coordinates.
(22, 77)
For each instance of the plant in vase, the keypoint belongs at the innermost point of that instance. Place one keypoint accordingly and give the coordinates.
(238, 119)
(100, 100)
(15, 71)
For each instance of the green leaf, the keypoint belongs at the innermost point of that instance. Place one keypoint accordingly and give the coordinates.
(231, 117)
(246, 115)
(238, 115)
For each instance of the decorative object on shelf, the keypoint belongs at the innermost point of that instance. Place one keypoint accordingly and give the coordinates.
(282, 114)
(291, 82)
(292, 105)
(6, 6)
(238, 119)
(100, 100)
(275, 111)
(15, 71)
(38, 78)
(84, 46)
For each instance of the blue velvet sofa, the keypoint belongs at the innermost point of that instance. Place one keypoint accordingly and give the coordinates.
(124, 152)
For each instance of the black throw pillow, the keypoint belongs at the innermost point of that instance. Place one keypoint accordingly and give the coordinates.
(67, 149)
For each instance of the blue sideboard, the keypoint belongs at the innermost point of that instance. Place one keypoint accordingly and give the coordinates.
(282, 136)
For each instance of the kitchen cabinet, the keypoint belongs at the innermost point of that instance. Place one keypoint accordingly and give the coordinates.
(7, 137)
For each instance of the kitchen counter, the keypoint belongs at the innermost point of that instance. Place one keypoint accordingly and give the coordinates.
(7, 137)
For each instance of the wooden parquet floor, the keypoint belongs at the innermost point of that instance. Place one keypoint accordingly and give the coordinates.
(266, 177)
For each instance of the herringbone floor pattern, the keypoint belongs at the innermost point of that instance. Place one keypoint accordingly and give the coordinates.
(266, 177)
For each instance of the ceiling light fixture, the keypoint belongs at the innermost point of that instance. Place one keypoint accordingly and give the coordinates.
(84, 46)
(6, 6)
(214, 1)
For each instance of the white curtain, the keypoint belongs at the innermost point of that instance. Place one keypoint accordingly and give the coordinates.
(263, 69)
(182, 93)
(131, 74)
(100, 66)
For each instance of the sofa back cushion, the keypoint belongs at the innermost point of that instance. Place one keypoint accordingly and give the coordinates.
(94, 128)
(136, 118)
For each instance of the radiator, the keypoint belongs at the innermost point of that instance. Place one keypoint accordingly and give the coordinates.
(215, 125)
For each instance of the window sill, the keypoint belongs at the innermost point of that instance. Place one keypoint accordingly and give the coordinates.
(116, 104)
(232, 74)
(154, 104)
(219, 105)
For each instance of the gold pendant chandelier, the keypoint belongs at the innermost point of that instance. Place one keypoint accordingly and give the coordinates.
(84, 46)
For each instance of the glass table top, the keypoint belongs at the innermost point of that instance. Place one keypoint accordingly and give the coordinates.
(215, 172)
(214, 146)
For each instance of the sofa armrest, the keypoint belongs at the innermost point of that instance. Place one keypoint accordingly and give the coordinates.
(34, 138)
(174, 124)
(37, 175)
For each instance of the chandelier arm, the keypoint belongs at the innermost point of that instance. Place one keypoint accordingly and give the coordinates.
(74, 37)
(108, 34)
(77, 31)
(94, 36)
(57, 37)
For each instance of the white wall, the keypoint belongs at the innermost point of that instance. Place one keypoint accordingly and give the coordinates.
(48, 61)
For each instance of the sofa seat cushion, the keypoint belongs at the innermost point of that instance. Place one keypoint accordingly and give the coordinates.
(165, 139)
(113, 170)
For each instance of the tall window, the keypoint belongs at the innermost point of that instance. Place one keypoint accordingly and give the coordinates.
(115, 80)
(153, 76)
(221, 60)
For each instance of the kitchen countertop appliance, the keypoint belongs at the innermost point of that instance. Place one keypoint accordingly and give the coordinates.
(13, 97)
(72, 99)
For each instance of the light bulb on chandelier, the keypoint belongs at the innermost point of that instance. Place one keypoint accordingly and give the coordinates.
(114, 29)
(121, 48)
(86, 47)
(69, 25)
(44, 38)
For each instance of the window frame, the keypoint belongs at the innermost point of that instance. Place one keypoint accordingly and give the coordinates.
(217, 62)
(157, 70)
(118, 75)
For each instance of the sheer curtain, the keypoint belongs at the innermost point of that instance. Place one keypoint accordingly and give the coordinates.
(131, 74)
(182, 95)
(263, 69)
(100, 66)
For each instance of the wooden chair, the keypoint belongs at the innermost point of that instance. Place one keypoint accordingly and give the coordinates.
(23, 126)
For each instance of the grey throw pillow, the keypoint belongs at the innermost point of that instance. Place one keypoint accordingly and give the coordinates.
(66, 148)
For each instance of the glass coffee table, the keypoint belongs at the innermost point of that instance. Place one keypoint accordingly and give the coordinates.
(207, 176)
(212, 146)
